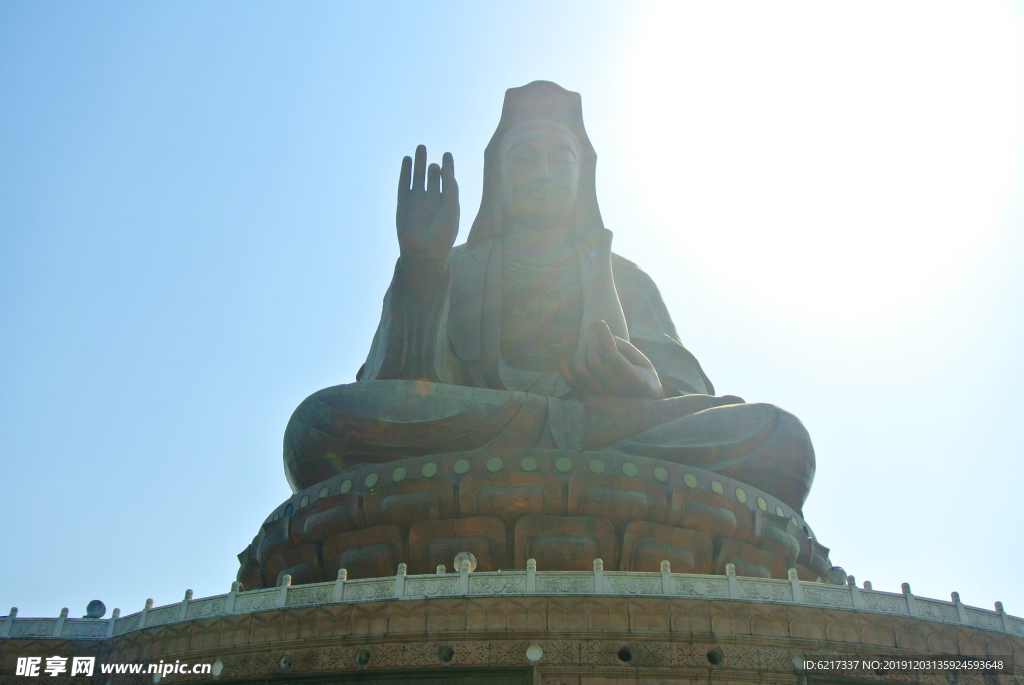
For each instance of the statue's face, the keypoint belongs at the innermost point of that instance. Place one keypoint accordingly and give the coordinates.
(540, 174)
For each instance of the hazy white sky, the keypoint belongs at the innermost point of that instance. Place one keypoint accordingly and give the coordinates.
(197, 229)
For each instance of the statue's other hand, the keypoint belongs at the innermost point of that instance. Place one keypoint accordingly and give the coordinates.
(608, 365)
(428, 210)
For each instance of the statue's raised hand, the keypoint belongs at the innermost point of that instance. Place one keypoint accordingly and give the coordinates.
(428, 213)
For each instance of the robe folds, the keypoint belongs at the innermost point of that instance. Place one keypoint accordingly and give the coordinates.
(435, 382)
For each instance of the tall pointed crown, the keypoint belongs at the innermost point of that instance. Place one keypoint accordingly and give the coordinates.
(546, 101)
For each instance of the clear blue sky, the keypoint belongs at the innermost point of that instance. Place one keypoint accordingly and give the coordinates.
(197, 229)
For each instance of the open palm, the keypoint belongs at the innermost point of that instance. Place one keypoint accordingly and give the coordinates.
(428, 208)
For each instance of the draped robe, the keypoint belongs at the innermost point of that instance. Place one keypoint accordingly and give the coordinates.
(435, 382)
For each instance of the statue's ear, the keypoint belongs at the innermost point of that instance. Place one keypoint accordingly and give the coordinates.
(359, 373)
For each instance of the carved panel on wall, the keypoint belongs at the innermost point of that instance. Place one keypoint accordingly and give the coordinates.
(127, 624)
(701, 588)
(311, 595)
(778, 592)
(377, 590)
(33, 628)
(165, 615)
(983, 619)
(936, 610)
(633, 585)
(255, 601)
(432, 587)
(566, 583)
(209, 607)
(92, 629)
(497, 586)
(828, 597)
(892, 604)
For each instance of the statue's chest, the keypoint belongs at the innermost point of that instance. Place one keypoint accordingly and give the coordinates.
(541, 305)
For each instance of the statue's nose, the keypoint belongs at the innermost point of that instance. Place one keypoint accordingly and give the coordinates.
(542, 175)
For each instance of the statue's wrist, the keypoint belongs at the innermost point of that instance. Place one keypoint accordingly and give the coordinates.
(422, 276)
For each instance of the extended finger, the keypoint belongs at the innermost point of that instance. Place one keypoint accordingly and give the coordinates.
(450, 188)
(612, 363)
(584, 374)
(606, 371)
(419, 169)
(605, 340)
(434, 179)
(564, 367)
(405, 176)
(631, 353)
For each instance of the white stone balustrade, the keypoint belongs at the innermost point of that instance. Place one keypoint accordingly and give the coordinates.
(528, 582)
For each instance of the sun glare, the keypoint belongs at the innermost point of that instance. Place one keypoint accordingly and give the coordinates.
(834, 162)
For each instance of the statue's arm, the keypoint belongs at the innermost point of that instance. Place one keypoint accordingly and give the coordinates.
(411, 342)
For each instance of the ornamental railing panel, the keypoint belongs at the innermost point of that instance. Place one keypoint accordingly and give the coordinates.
(463, 583)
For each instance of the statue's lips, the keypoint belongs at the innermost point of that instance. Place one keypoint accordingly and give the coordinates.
(545, 196)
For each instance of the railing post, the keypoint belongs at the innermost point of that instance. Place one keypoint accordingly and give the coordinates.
(339, 585)
(145, 613)
(184, 605)
(229, 602)
(58, 627)
(1002, 617)
(909, 597)
(961, 613)
(856, 600)
(5, 629)
(531, 576)
(795, 586)
(464, 577)
(598, 576)
(282, 597)
(400, 580)
(112, 621)
(666, 578)
(734, 584)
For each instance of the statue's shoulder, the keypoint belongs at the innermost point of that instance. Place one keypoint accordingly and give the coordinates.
(641, 301)
(467, 257)
(629, 274)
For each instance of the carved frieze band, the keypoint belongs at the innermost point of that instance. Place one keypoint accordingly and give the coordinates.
(523, 583)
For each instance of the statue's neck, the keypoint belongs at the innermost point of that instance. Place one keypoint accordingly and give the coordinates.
(518, 238)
